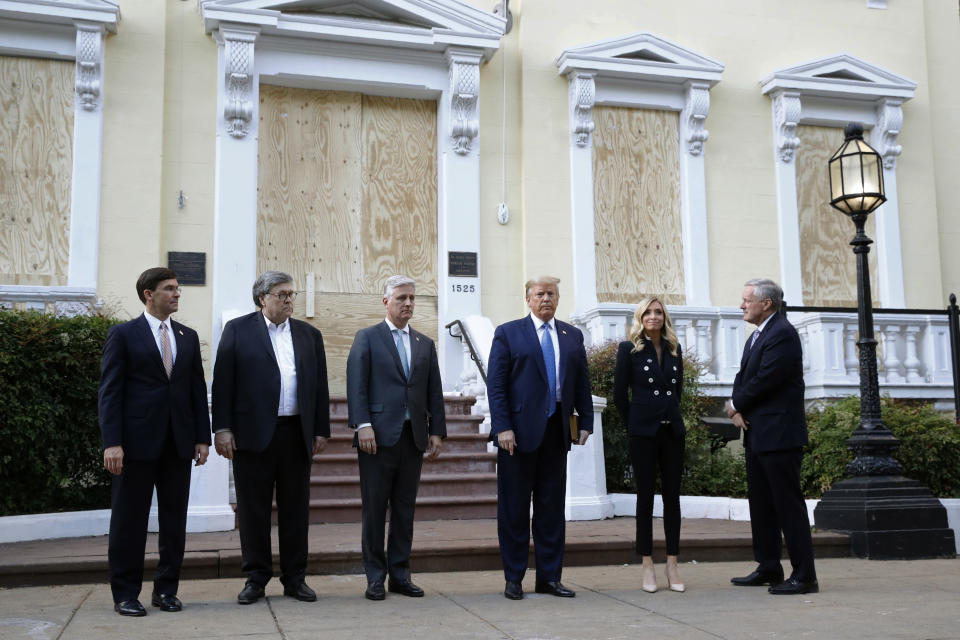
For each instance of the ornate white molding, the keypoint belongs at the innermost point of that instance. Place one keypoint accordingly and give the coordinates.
(583, 93)
(889, 121)
(694, 116)
(238, 54)
(786, 117)
(464, 69)
(89, 75)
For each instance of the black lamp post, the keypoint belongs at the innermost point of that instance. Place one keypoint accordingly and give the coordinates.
(886, 515)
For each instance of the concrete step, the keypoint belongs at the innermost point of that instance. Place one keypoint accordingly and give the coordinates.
(454, 442)
(345, 464)
(431, 484)
(345, 510)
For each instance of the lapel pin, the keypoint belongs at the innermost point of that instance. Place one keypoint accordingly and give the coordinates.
(418, 338)
(181, 331)
(563, 331)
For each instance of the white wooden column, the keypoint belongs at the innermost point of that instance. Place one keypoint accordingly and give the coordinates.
(786, 117)
(582, 97)
(87, 158)
(458, 201)
(587, 497)
(889, 255)
(693, 199)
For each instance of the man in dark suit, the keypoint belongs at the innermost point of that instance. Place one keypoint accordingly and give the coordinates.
(395, 403)
(154, 420)
(271, 415)
(767, 404)
(537, 376)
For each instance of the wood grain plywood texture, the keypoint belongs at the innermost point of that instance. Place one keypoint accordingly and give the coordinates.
(347, 191)
(636, 176)
(399, 191)
(829, 266)
(36, 164)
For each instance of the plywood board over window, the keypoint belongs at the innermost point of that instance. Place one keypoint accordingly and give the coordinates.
(36, 162)
(348, 191)
(828, 263)
(636, 177)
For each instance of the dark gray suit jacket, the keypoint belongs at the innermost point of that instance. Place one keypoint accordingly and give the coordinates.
(379, 393)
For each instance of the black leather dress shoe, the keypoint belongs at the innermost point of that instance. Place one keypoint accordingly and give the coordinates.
(250, 593)
(404, 587)
(759, 578)
(513, 591)
(793, 586)
(130, 608)
(301, 592)
(375, 591)
(555, 589)
(166, 602)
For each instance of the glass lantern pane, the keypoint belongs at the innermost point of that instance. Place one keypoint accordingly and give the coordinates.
(871, 173)
(836, 180)
(852, 177)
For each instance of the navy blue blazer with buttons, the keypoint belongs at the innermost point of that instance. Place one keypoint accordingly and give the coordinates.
(138, 404)
(246, 383)
(768, 389)
(654, 389)
(517, 382)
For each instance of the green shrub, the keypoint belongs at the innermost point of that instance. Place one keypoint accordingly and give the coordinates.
(929, 444)
(50, 453)
(710, 470)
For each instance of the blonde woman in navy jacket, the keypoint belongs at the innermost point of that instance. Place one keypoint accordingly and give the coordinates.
(647, 386)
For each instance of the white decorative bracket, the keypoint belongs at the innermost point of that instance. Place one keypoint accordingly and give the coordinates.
(89, 74)
(889, 121)
(694, 115)
(238, 49)
(583, 92)
(464, 69)
(786, 117)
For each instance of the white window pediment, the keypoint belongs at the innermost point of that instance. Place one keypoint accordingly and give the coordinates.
(419, 24)
(840, 76)
(641, 56)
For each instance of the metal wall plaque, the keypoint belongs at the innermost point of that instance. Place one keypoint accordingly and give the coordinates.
(191, 266)
(462, 264)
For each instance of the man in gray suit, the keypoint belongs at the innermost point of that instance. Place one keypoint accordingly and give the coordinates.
(395, 403)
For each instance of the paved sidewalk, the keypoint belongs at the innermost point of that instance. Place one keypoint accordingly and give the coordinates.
(859, 599)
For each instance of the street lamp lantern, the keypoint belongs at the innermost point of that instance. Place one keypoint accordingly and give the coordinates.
(856, 175)
(886, 515)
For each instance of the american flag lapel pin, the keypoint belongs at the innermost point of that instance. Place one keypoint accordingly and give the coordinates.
(181, 331)
(563, 331)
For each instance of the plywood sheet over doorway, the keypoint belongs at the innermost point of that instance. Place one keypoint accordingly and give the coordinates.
(636, 177)
(827, 261)
(348, 191)
(36, 165)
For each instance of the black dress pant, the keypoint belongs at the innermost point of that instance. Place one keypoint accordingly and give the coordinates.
(132, 493)
(389, 477)
(542, 475)
(776, 503)
(665, 450)
(283, 465)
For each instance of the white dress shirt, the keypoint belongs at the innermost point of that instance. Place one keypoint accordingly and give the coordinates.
(282, 342)
(155, 330)
(538, 325)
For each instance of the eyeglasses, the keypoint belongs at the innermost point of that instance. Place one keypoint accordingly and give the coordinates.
(172, 289)
(285, 295)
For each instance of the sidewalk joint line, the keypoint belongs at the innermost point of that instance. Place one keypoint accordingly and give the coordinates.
(276, 622)
(477, 616)
(651, 611)
(74, 613)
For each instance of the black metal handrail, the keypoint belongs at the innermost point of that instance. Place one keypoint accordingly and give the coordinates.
(464, 336)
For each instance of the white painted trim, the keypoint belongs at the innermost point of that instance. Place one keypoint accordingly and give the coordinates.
(586, 492)
(641, 71)
(334, 52)
(865, 93)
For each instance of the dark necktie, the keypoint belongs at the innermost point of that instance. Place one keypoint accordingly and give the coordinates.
(550, 361)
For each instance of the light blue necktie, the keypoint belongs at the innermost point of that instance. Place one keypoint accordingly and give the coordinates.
(403, 353)
(550, 361)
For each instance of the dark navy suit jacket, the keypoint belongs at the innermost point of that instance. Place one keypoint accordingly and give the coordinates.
(517, 382)
(768, 390)
(654, 389)
(138, 404)
(246, 382)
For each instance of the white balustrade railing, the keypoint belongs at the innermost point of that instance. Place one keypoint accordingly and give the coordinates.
(62, 301)
(913, 354)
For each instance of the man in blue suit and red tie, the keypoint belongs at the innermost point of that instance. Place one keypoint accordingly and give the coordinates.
(154, 421)
(537, 377)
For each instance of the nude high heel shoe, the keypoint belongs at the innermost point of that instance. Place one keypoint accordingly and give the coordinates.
(673, 577)
(649, 583)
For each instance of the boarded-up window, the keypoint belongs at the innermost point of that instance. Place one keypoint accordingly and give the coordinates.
(636, 177)
(348, 191)
(828, 263)
(36, 163)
